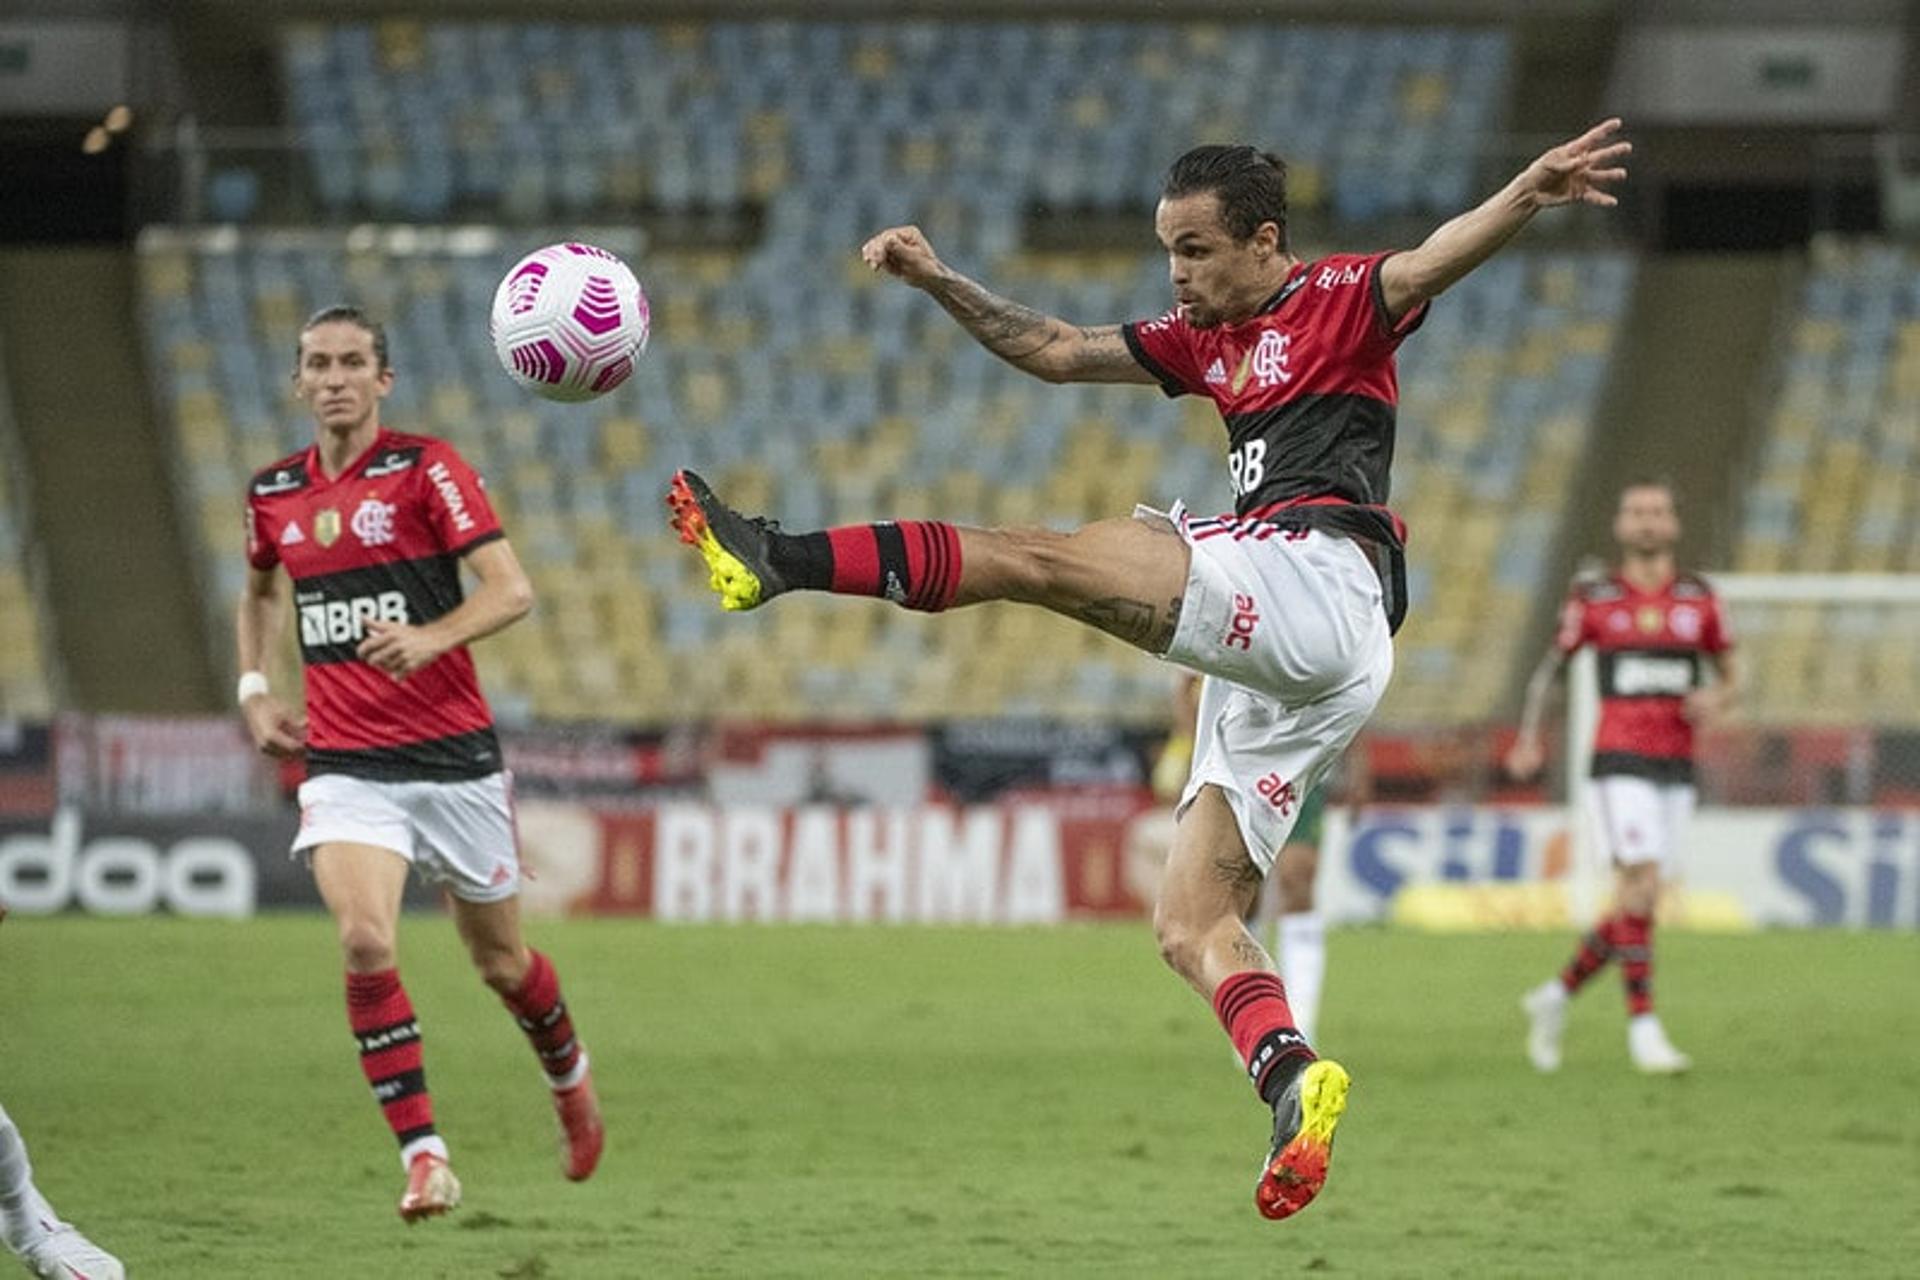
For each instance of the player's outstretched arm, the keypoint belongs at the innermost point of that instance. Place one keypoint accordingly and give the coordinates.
(1527, 756)
(502, 597)
(260, 617)
(1576, 172)
(1042, 345)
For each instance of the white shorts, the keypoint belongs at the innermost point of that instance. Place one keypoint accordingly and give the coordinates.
(1640, 820)
(1288, 628)
(459, 833)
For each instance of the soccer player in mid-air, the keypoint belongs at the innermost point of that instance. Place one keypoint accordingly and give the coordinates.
(1286, 606)
(1655, 630)
(403, 767)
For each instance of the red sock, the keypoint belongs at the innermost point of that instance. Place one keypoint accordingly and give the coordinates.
(1252, 1006)
(1633, 942)
(1595, 950)
(542, 1014)
(382, 1020)
(915, 563)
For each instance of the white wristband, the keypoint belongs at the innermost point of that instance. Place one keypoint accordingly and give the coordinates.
(252, 683)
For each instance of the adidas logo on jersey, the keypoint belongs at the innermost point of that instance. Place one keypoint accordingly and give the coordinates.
(291, 534)
(1217, 371)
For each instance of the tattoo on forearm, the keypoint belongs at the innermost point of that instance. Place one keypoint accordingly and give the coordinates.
(1008, 329)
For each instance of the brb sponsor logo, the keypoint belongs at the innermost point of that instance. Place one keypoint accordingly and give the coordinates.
(345, 621)
(1246, 616)
(449, 491)
(1279, 793)
(1646, 676)
(124, 875)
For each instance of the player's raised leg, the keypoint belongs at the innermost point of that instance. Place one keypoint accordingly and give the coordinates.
(361, 885)
(529, 986)
(32, 1230)
(1127, 577)
(1211, 883)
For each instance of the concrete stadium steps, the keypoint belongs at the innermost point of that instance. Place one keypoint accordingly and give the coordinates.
(101, 484)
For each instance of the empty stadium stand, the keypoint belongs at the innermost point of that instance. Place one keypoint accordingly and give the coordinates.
(807, 388)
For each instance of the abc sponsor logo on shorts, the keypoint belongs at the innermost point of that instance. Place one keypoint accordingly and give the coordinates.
(345, 621)
(1279, 793)
(122, 875)
(1246, 616)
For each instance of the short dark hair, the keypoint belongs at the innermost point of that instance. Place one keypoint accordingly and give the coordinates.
(1652, 480)
(1251, 185)
(342, 313)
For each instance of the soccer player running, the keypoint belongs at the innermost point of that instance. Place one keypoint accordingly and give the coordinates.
(1286, 606)
(1654, 629)
(403, 767)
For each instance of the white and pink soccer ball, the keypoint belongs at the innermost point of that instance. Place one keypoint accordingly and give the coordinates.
(568, 322)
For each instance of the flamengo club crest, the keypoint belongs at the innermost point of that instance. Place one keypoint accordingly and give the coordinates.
(326, 527)
(1267, 362)
(373, 522)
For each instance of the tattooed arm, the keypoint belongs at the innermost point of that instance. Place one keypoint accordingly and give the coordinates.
(1039, 344)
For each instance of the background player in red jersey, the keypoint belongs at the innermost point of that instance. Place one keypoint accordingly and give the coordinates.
(403, 768)
(1286, 606)
(1654, 628)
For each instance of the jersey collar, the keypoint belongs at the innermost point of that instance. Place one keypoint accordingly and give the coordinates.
(320, 476)
(1285, 291)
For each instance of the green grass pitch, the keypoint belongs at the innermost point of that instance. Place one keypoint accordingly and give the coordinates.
(817, 1102)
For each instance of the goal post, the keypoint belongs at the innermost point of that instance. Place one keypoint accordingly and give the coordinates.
(1829, 713)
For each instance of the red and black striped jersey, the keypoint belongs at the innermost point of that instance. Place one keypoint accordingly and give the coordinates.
(1651, 647)
(383, 539)
(1308, 391)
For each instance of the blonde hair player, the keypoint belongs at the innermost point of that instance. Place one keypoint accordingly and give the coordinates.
(403, 768)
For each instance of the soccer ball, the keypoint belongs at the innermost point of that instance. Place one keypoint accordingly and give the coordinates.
(568, 321)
